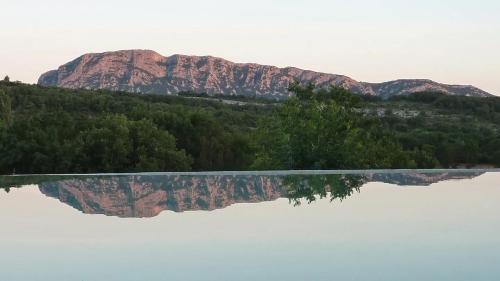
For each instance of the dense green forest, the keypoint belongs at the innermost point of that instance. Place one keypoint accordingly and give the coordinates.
(53, 130)
(451, 130)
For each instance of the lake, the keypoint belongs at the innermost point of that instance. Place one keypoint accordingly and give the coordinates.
(356, 225)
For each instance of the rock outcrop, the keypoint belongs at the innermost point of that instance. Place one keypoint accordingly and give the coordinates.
(146, 71)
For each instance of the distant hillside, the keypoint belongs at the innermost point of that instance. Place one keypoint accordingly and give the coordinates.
(149, 72)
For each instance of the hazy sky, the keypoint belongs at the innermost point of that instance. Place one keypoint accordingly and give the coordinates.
(450, 41)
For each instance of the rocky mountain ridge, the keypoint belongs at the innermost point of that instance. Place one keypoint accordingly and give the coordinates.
(145, 71)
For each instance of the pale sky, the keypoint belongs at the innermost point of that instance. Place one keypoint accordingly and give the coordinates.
(449, 41)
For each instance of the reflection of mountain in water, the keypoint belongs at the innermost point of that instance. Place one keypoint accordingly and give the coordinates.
(149, 195)
(420, 179)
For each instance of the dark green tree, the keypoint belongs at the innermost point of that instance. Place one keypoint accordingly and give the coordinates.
(5, 107)
(323, 129)
(107, 145)
(155, 150)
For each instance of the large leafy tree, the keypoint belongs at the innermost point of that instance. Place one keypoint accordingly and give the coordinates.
(155, 150)
(107, 144)
(118, 144)
(324, 129)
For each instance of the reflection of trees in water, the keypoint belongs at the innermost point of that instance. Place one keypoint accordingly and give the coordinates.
(313, 186)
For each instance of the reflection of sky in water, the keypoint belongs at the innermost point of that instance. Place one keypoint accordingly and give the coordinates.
(449, 231)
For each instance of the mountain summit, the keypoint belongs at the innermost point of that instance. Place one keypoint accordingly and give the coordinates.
(146, 71)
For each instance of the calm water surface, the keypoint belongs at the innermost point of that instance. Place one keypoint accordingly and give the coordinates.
(413, 225)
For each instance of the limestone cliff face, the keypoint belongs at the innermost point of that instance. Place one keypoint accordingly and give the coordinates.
(149, 72)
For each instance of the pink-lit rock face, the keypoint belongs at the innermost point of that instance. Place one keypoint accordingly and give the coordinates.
(149, 72)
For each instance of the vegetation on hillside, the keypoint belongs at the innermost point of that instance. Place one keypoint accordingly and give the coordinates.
(448, 130)
(322, 130)
(53, 130)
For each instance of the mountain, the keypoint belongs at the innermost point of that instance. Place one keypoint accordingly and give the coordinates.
(146, 71)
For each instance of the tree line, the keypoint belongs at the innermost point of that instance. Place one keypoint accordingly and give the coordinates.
(54, 130)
